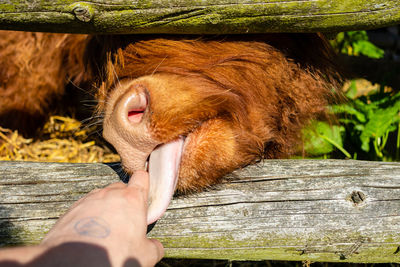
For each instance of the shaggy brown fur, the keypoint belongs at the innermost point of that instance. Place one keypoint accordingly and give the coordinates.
(239, 99)
(34, 71)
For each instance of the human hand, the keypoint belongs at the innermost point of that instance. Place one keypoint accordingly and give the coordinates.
(113, 218)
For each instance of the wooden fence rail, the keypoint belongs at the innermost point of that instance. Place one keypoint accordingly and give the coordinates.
(197, 17)
(318, 210)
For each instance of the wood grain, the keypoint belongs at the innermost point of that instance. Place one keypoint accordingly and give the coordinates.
(197, 17)
(318, 210)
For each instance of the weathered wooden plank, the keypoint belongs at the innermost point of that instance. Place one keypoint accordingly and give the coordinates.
(34, 195)
(318, 210)
(197, 17)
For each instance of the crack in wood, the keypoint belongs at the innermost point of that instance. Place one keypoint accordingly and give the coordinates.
(48, 195)
(384, 200)
(183, 13)
(38, 202)
(351, 250)
(37, 182)
(257, 179)
(380, 186)
(394, 9)
(306, 250)
(251, 202)
(176, 16)
(25, 219)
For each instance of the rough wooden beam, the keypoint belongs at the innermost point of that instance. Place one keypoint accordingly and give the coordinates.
(318, 210)
(197, 17)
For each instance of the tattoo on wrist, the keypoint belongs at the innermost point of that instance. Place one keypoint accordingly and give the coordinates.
(92, 227)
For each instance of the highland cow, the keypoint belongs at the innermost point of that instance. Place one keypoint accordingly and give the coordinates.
(190, 109)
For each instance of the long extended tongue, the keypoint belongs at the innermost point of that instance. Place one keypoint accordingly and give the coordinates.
(163, 170)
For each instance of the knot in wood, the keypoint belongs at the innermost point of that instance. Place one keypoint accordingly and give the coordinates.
(357, 197)
(83, 13)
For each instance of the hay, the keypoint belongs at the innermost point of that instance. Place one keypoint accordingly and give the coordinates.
(62, 139)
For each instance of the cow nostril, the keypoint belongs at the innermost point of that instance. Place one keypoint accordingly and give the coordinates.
(136, 105)
(135, 115)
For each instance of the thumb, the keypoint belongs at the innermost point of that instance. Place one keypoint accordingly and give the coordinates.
(159, 249)
(140, 179)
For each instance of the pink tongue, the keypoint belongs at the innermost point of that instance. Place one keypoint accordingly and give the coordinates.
(163, 170)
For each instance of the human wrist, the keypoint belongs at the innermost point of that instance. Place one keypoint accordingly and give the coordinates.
(21, 255)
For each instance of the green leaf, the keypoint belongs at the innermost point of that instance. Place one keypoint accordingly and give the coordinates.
(356, 43)
(359, 127)
(350, 110)
(365, 143)
(352, 91)
(379, 123)
(368, 49)
(322, 138)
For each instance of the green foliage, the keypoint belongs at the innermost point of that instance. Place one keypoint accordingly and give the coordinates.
(355, 43)
(323, 138)
(369, 127)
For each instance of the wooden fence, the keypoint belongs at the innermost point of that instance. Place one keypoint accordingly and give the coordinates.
(317, 210)
(197, 17)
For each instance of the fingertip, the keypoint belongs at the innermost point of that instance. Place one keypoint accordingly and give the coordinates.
(141, 172)
(159, 247)
(140, 178)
